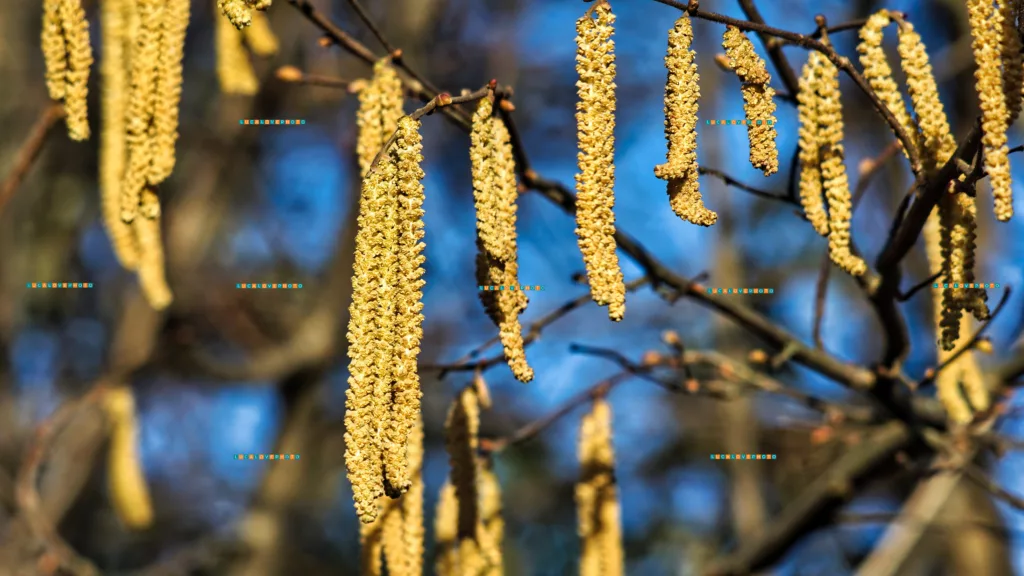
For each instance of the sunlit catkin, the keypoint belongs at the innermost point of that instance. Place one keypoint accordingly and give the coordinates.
(168, 88)
(152, 276)
(878, 73)
(461, 442)
(260, 37)
(446, 531)
(408, 327)
(595, 182)
(491, 532)
(79, 55)
(145, 54)
(380, 107)
(808, 104)
(412, 503)
(237, 12)
(758, 99)
(234, 70)
(113, 146)
(127, 482)
(986, 31)
(682, 93)
(371, 546)
(597, 496)
(55, 53)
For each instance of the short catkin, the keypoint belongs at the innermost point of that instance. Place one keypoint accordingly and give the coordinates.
(234, 70)
(597, 501)
(129, 492)
(758, 99)
(682, 93)
(595, 182)
(380, 107)
(808, 112)
(55, 54)
(152, 277)
(79, 60)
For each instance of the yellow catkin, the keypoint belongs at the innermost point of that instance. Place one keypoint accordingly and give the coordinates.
(597, 496)
(168, 88)
(408, 306)
(446, 531)
(986, 31)
(113, 146)
(380, 107)
(461, 442)
(127, 482)
(76, 92)
(260, 5)
(371, 547)
(878, 73)
(237, 12)
(833, 171)
(758, 99)
(391, 533)
(234, 70)
(55, 53)
(260, 37)
(144, 59)
(491, 532)
(595, 182)
(152, 277)
(682, 93)
(485, 194)
(808, 111)
(412, 504)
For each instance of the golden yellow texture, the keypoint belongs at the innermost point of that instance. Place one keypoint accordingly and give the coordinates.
(878, 73)
(144, 59)
(391, 533)
(168, 88)
(987, 42)
(597, 496)
(446, 531)
(371, 547)
(113, 146)
(461, 442)
(408, 324)
(260, 37)
(682, 93)
(495, 194)
(758, 99)
(808, 103)
(237, 12)
(79, 59)
(380, 107)
(234, 70)
(54, 50)
(126, 480)
(491, 531)
(412, 504)
(595, 182)
(152, 277)
(260, 5)
(833, 171)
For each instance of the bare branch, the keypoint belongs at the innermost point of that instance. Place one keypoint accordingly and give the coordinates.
(29, 151)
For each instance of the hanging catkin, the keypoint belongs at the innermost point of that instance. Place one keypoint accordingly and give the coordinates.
(234, 70)
(114, 16)
(682, 93)
(55, 52)
(878, 73)
(595, 182)
(491, 531)
(412, 504)
(127, 483)
(70, 57)
(808, 113)
(987, 42)
(446, 530)
(380, 107)
(141, 104)
(461, 442)
(371, 547)
(597, 496)
(1013, 62)
(758, 99)
(238, 12)
(152, 277)
(260, 37)
(168, 88)
(495, 196)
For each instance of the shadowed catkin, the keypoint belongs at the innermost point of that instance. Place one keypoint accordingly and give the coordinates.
(260, 37)
(113, 146)
(682, 93)
(595, 182)
(878, 73)
(238, 12)
(168, 88)
(126, 481)
(412, 504)
(152, 278)
(55, 54)
(234, 70)
(491, 531)
(987, 42)
(597, 496)
(758, 99)
(446, 529)
(461, 442)
(1012, 60)
(495, 196)
(371, 547)
(808, 104)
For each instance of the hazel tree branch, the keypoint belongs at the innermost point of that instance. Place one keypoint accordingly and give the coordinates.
(30, 150)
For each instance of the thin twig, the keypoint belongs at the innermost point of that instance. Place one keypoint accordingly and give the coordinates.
(820, 295)
(982, 479)
(293, 75)
(730, 181)
(29, 151)
(904, 296)
(368, 21)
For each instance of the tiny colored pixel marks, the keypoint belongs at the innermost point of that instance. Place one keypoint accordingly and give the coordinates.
(743, 457)
(513, 288)
(968, 286)
(58, 285)
(740, 122)
(265, 286)
(263, 122)
(741, 290)
(266, 456)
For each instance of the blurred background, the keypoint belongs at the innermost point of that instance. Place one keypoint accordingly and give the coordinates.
(227, 371)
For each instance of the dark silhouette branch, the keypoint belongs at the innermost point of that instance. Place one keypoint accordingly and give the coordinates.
(29, 151)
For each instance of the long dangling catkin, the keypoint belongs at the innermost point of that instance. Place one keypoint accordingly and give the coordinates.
(597, 496)
(412, 503)
(144, 59)
(395, 553)
(152, 277)
(1013, 62)
(127, 482)
(878, 73)
(446, 531)
(237, 12)
(758, 99)
(234, 70)
(260, 37)
(808, 104)
(595, 183)
(380, 107)
(168, 88)
(79, 60)
(833, 171)
(491, 532)
(55, 52)
(461, 442)
(371, 547)
(682, 93)
(113, 146)
(986, 31)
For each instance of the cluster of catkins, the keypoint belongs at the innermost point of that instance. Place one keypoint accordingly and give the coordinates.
(950, 232)
(243, 23)
(128, 490)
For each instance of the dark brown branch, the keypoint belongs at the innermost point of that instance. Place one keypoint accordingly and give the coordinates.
(820, 296)
(904, 296)
(981, 478)
(970, 344)
(730, 181)
(368, 21)
(29, 151)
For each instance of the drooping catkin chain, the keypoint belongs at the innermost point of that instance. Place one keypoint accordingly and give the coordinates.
(461, 442)
(55, 54)
(412, 504)
(129, 492)
(152, 277)
(380, 107)
(595, 182)
(114, 16)
(446, 530)
(987, 31)
(145, 56)
(1013, 61)
(491, 531)
(495, 194)
(397, 533)
(682, 95)
(758, 99)
(168, 88)
(67, 54)
(371, 546)
(808, 112)
(597, 496)
(878, 73)
(234, 70)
